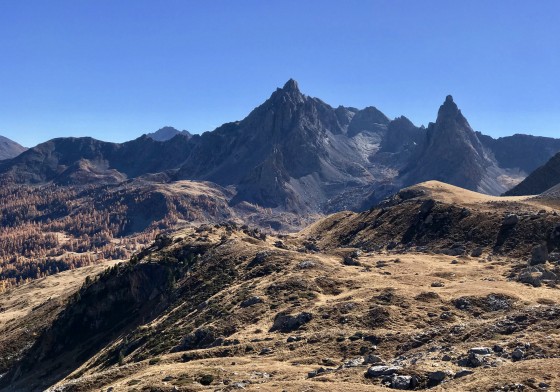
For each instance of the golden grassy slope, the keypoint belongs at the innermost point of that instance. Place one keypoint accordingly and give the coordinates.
(402, 305)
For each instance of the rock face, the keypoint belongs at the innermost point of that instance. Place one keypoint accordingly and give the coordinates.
(403, 137)
(541, 180)
(9, 149)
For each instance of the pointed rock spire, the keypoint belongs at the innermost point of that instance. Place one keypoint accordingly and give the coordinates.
(449, 108)
(291, 85)
(452, 152)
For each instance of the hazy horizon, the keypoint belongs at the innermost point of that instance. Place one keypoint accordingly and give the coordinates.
(115, 71)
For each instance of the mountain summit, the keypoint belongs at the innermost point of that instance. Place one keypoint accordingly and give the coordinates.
(284, 151)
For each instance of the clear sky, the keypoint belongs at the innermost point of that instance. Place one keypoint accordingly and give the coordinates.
(115, 69)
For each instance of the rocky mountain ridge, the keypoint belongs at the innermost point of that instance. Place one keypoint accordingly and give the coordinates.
(296, 153)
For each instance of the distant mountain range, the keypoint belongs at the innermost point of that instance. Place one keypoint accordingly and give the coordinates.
(299, 154)
(9, 149)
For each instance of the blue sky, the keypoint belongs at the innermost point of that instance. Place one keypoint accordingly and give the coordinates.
(115, 69)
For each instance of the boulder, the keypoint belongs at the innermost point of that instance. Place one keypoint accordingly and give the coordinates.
(348, 260)
(463, 373)
(480, 350)
(427, 206)
(373, 359)
(355, 362)
(535, 275)
(517, 354)
(539, 255)
(266, 351)
(497, 348)
(401, 382)
(382, 370)
(328, 362)
(510, 220)
(437, 377)
(472, 360)
(203, 337)
(530, 276)
(476, 252)
(287, 323)
(259, 259)
(315, 373)
(251, 301)
(306, 264)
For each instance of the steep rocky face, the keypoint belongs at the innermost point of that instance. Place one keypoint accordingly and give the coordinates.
(403, 139)
(167, 133)
(451, 153)
(402, 135)
(291, 151)
(542, 179)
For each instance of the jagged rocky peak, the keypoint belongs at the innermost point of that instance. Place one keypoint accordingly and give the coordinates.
(452, 124)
